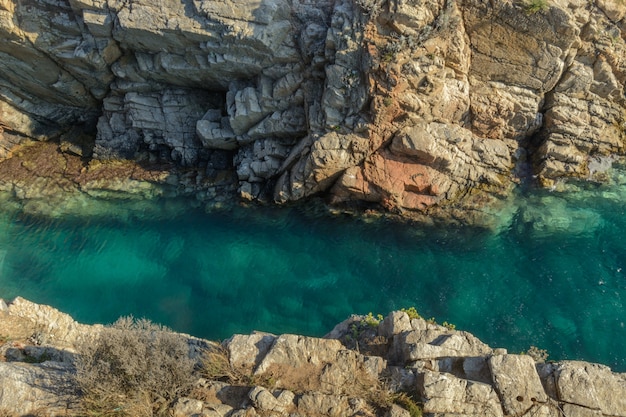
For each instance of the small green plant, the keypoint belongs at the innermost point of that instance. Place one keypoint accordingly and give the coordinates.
(387, 101)
(354, 332)
(372, 321)
(412, 313)
(388, 57)
(45, 356)
(382, 399)
(431, 321)
(448, 326)
(406, 402)
(534, 6)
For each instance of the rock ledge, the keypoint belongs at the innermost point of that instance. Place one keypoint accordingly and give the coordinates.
(404, 360)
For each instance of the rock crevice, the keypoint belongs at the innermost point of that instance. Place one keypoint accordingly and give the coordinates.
(356, 370)
(433, 110)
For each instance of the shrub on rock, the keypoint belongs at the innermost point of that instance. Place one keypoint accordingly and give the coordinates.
(133, 368)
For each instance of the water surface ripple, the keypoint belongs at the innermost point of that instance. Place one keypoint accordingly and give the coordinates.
(554, 277)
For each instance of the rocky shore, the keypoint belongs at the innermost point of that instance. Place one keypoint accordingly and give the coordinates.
(428, 110)
(401, 365)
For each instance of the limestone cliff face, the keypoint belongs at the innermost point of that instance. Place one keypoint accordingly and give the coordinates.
(424, 108)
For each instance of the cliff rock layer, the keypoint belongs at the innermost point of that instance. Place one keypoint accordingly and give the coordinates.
(400, 366)
(429, 109)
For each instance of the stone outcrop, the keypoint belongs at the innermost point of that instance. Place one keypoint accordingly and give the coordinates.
(363, 367)
(37, 388)
(431, 110)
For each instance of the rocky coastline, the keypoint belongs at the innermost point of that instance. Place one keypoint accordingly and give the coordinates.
(431, 111)
(400, 365)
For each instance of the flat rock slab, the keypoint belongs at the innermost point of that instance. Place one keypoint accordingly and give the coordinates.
(592, 386)
(246, 351)
(28, 388)
(297, 351)
(436, 343)
(446, 394)
(517, 383)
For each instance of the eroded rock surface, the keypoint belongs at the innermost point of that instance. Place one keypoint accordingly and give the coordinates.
(431, 110)
(341, 374)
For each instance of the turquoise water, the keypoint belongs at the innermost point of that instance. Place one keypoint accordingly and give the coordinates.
(553, 276)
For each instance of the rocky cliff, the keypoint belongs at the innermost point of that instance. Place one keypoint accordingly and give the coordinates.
(398, 366)
(430, 109)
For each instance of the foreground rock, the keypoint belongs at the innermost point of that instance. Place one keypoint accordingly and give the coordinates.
(401, 364)
(430, 110)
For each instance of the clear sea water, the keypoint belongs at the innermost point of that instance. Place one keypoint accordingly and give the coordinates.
(553, 276)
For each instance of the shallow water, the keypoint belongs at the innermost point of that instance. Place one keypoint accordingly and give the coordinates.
(554, 276)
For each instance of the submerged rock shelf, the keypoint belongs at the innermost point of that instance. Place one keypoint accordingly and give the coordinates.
(551, 274)
(401, 365)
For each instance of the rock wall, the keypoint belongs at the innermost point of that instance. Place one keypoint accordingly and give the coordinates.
(356, 370)
(427, 109)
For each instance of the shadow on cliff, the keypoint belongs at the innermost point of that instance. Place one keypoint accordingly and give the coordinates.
(48, 370)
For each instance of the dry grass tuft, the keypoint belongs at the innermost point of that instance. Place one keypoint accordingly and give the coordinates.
(216, 366)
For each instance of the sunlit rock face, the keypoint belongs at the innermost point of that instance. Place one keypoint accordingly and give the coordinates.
(446, 371)
(430, 110)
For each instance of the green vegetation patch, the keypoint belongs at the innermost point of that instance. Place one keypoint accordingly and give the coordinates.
(534, 6)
